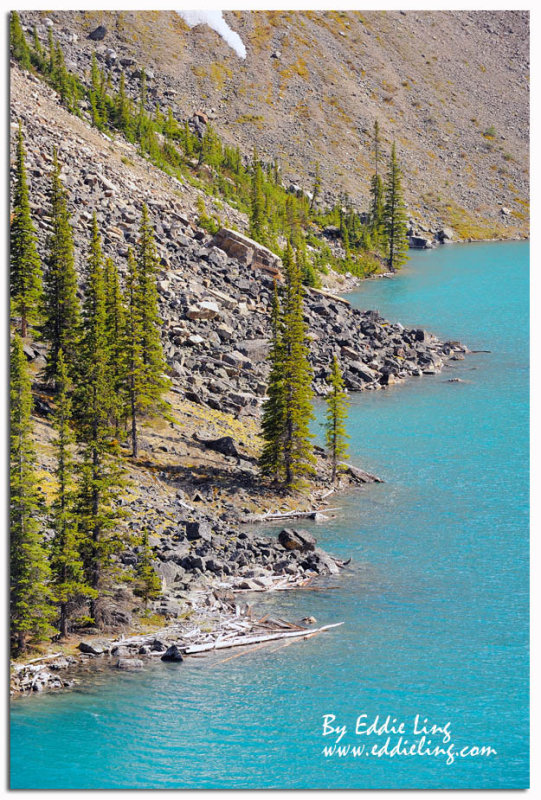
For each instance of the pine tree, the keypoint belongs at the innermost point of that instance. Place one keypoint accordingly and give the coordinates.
(273, 420)
(100, 475)
(25, 266)
(97, 95)
(377, 144)
(155, 381)
(135, 371)
(62, 81)
(377, 200)
(288, 453)
(115, 326)
(121, 109)
(37, 55)
(68, 579)
(298, 452)
(394, 217)
(257, 209)
(335, 431)
(62, 311)
(188, 140)
(149, 585)
(31, 609)
(316, 191)
(17, 40)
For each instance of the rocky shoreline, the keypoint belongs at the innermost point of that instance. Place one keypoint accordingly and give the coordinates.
(196, 478)
(213, 618)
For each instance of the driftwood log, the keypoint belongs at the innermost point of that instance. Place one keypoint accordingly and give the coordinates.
(241, 641)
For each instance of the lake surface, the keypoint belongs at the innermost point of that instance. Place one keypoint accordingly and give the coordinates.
(435, 601)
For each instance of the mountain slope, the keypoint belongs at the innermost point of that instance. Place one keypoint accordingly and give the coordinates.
(450, 87)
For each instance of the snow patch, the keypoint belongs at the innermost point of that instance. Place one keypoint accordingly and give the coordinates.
(215, 20)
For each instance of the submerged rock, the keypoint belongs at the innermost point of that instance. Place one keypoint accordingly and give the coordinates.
(129, 664)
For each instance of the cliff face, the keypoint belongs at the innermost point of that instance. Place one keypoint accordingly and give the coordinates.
(451, 88)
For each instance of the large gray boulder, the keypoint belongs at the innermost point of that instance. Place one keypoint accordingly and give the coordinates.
(297, 540)
(247, 251)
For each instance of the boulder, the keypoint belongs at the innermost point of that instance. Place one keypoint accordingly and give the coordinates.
(247, 251)
(197, 530)
(172, 654)
(360, 475)
(203, 310)
(326, 563)
(420, 243)
(296, 540)
(365, 373)
(98, 34)
(445, 235)
(224, 445)
(91, 648)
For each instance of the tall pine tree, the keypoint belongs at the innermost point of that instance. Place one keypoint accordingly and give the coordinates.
(100, 474)
(115, 328)
(68, 579)
(31, 609)
(18, 43)
(288, 440)
(257, 209)
(156, 382)
(335, 430)
(135, 371)
(394, 216)
(273, 420)
(25, 267)
(148, 584)
(62, 310)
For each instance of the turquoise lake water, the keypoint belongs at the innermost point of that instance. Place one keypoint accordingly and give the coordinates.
(435, 601)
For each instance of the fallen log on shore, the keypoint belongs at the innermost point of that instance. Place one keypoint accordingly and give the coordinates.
(313, 513)
(241, 641)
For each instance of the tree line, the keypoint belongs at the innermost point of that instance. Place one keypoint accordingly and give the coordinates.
(106, 369)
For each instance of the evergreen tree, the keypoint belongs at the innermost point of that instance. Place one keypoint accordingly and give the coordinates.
(25, 266)
(273, 420)
(298, 452)
(257, 209)
(51, 49)
(100, 476)
(156, 382)
(38, 49)
(377, 145)
(377, 207)
(288, 449)
(149, 585)
(135, 371)
(316, 191)
(116, 329)
(335, 431)
(31, 609)
(62, 311)
(17, 40)
(121, 109)
(377, 200)
(68, 579)
(61, 80)
(394, 217)
(188, 140)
